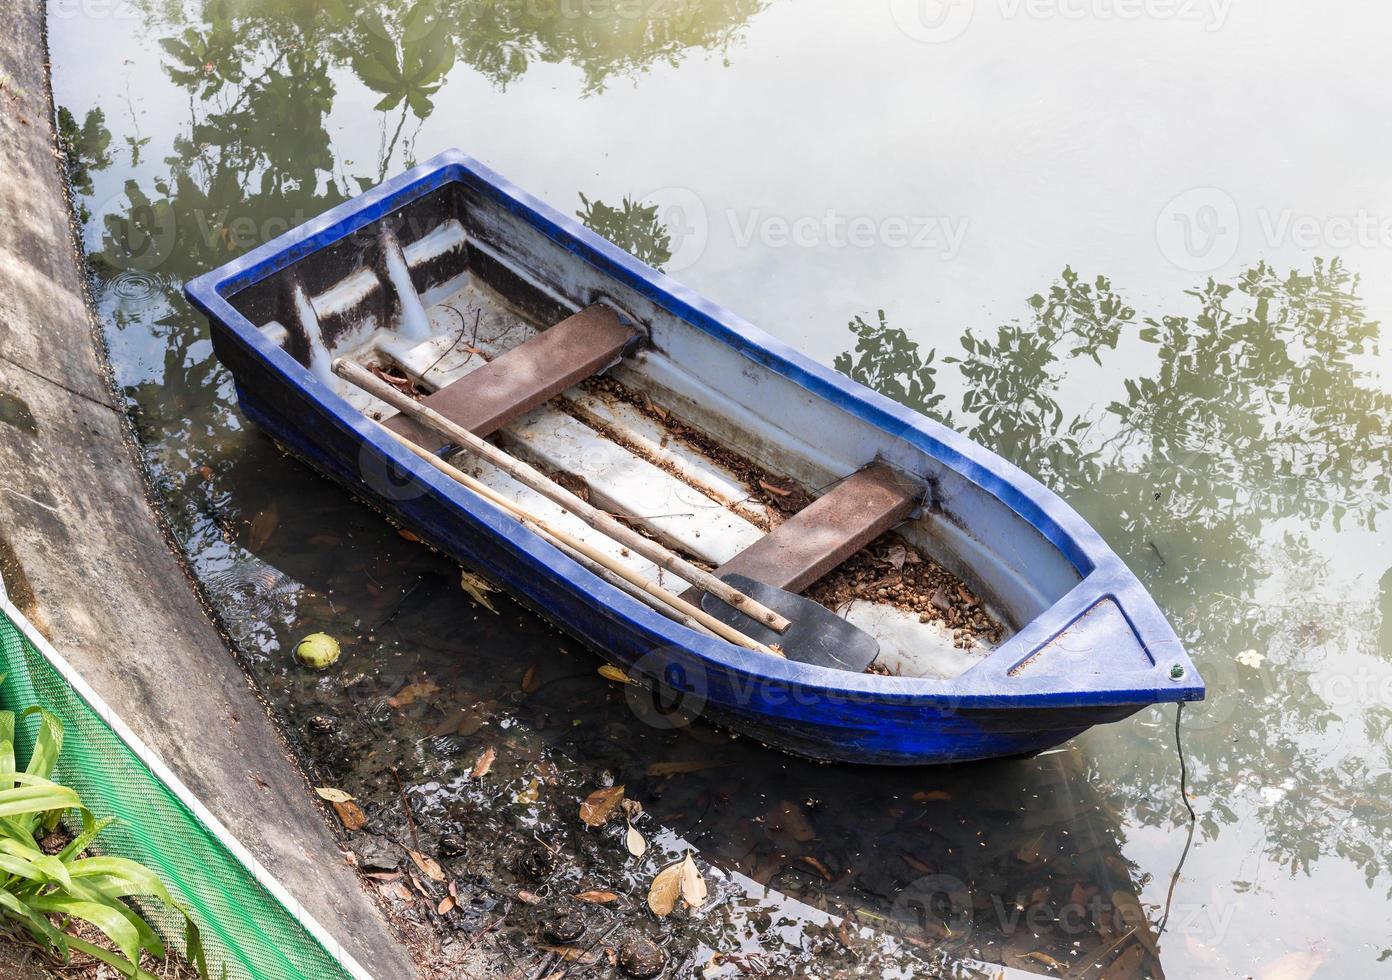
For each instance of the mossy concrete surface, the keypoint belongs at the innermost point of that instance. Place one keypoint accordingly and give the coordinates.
(85, 554)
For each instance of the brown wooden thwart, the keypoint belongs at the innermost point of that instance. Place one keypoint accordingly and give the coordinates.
(791, 557)
(831, 529)
(531, 374)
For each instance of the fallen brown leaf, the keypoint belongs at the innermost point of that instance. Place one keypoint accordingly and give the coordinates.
(693, 885)
(932, 795)
(600, 805)
(484, 762)
(818, 866)
(530, 681)
(598, 897)
(428, 865)
(478, 589)
(666, 889)
(413, 692)
(446, 904)
(332, 795)
(350, 814)
(634, 841)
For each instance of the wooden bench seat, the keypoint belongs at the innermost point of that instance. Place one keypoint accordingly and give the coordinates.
(526, 376)
(822, 535)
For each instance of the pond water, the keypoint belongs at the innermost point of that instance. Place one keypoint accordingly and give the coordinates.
(1144, 250)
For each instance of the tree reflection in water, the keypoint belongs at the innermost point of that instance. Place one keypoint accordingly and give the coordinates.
(1217, 473)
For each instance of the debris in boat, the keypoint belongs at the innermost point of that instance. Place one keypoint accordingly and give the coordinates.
(332, 795)
(640, 957)
(398, 379)
(599, 806)
(890, 571)
(1251, 658)
(322, 725)
(573, 482)
(779, 493)
(317, 651)
(478, 589)
(597, 897)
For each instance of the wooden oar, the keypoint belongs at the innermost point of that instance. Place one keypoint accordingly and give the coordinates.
(675, 602)
(548, 488)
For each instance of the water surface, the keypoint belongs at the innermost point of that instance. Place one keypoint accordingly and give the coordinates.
(1144, 255)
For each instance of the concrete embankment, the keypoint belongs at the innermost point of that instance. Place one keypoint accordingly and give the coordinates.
(86, 556)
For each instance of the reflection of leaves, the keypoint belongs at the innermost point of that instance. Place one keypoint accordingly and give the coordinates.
(85, 147)
(1256, 416)
(411, 69)
(890, 363)
(204, 61)
(634, 227)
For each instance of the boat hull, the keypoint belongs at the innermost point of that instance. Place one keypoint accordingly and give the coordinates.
(1090, 647)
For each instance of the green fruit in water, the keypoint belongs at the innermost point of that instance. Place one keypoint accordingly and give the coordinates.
(317, 651)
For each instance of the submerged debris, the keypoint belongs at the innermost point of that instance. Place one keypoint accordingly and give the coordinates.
(640, 957)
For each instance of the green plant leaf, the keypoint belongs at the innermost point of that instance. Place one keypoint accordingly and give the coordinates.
(36, 799)
(48, 743)
(111, 922)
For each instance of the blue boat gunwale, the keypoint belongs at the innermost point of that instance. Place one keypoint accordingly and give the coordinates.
(987, 684)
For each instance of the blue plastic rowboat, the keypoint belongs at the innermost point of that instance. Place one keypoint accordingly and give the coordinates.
(1025, 630)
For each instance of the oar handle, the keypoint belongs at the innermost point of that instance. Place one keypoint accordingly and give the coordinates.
(675, 602)
(542, 484)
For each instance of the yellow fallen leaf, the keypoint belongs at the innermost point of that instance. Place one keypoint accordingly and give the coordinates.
(351, 815)
(598, 897)
(478, 589)
(666, 889)
(406, 534)
(428, 865)
(484, 762)
(637, 846)
(612, 673)
(574, 954)
(599, 806)
(332, 795)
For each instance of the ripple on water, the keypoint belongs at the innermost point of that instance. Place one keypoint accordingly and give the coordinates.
(134, 285)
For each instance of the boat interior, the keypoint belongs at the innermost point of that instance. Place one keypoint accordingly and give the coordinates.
(501, 326)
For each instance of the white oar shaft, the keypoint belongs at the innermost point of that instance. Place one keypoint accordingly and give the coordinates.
(548, 488)
(669, 599)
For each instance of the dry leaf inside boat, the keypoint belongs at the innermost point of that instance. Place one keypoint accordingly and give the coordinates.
(599, 806)
(484, 762)
(478, 589)
(332, 795)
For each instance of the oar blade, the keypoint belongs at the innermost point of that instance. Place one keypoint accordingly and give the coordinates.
(817, 635)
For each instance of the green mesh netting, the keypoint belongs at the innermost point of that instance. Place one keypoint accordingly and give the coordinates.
(247, 932)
